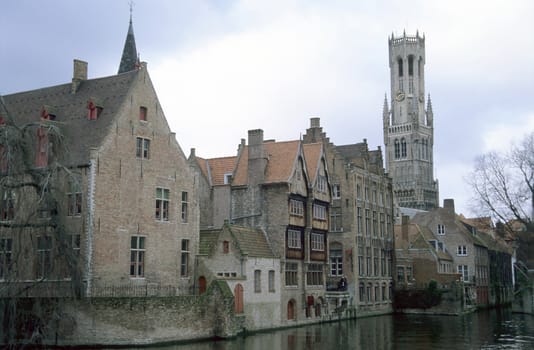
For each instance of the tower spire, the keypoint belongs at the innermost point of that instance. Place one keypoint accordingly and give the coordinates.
(129, 53)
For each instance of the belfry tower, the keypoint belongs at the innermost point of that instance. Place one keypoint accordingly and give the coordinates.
(408, 127)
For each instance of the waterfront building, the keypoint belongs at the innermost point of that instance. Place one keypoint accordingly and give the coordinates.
(282, 188)
(360, 235)
(123, 221)
(408, 127)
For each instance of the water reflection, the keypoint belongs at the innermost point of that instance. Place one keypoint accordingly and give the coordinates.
(495, 329)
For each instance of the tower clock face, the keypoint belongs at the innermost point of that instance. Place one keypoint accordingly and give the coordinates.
(400, 96)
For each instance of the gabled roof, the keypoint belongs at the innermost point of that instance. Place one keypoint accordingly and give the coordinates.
(281, 159)
(250, 241)
(214, 169)
(312, 154)
(71, 111)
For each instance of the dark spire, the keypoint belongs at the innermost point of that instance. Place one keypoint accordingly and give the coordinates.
(129, 59)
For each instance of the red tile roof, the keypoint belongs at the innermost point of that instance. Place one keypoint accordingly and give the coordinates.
(312, 154)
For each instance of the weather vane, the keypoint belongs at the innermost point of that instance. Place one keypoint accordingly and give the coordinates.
(131, 8)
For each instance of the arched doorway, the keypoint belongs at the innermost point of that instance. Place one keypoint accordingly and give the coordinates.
(201, 285)
(238, 299)
(291, 310)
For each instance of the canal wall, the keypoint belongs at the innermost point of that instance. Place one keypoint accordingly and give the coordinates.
(524, 295)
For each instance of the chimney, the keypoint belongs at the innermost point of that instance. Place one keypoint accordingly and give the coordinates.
(405, 221)
(257, 162)
(192, 154)
(315, 122)
(448, 204)
(79, 75)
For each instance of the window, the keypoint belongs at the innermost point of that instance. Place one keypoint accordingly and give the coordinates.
(367, 222)
(74, 199)
(403, 148)
(184, 261)
(464, 271)
(336, 262)
(296, 207)
(142, 113)
(93, 111)
(462, 250)
(291, 274)
(361, 291)
(293, 239)
(358, 191)
(399, 62)
(184, 207)
(319, 212)
(359, 213)
(336, 191)
(382, 225)
(375, 224)
(142, 149)
(361, 269)
(383, 262)
(44, 256)
(6, 252)
(257, 281)
(377, 296)
(368, 261)
(397, 149)
(227, 178)
(400, 274)
(317, 241)
(226, 247)
(321, 183)
(7, 210)
(375, 261)
(137, 256)
(369, 295)
(271, 281)
(314, 276)
(409, 275)
(41, 155)
(384, 296)
(162, 204)
(75, 244)
(335, 221)
(441, 229)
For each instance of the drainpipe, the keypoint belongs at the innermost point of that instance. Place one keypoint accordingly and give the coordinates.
(90, 216)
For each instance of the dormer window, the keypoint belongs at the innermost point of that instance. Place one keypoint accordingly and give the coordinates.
(93, 110)
(47, 113)
(143, 113)
(227, 178)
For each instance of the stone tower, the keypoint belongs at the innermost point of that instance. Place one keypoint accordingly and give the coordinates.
(408, 127)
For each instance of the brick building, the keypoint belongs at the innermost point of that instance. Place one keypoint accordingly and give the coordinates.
(361, 222)
(129, 207)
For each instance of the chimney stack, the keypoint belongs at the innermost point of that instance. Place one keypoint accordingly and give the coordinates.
(79, 75)
(257, 162)
(315, 122)
(449, 205)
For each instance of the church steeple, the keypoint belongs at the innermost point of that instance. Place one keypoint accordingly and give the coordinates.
(129, 59)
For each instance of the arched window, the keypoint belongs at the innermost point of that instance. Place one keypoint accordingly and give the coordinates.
(238, 299)
(291, 309)
(410, 65)
(403, 148)
(399, 61)
(397, 149)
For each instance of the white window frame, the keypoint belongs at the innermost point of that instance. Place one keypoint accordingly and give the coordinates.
(294, 239)
(319, 212)
(441, 229)
(163, 203)
(317, 242)
(296, 207)
(142, 148)
(137, 256)
(336, 191)
(461, 250)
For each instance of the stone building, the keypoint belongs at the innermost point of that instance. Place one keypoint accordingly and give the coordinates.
(130, 208)
(242, 257)
(408, 127)
(284, 189)
(361, 223)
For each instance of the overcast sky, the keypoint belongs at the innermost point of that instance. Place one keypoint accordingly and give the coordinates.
(222, 67)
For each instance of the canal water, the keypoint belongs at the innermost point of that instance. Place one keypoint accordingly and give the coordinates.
(490, 329)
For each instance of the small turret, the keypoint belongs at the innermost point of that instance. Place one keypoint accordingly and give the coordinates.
(129, 59)
(429, 112)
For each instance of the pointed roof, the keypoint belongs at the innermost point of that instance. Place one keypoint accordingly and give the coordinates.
(129, 57)
(312, 154)
(281, 159)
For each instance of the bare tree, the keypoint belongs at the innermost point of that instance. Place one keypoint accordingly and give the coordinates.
(503, 184)
(39, 267)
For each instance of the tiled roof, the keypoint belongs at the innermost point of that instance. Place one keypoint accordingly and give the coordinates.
(312, 154)
(215, 168)
(80, 133)
(281, 161)
(250, 241)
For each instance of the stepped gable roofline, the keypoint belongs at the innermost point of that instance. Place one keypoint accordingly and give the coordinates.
(71, 111)
(313, 153)
(249, 241)
(281, 158)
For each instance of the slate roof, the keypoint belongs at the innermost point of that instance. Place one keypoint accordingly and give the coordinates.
(281, 161)
(353, 152)
(250, 241)
(71, 111)
(214, 169)
(129, 58)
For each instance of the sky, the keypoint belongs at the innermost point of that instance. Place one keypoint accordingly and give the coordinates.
(221, 68)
